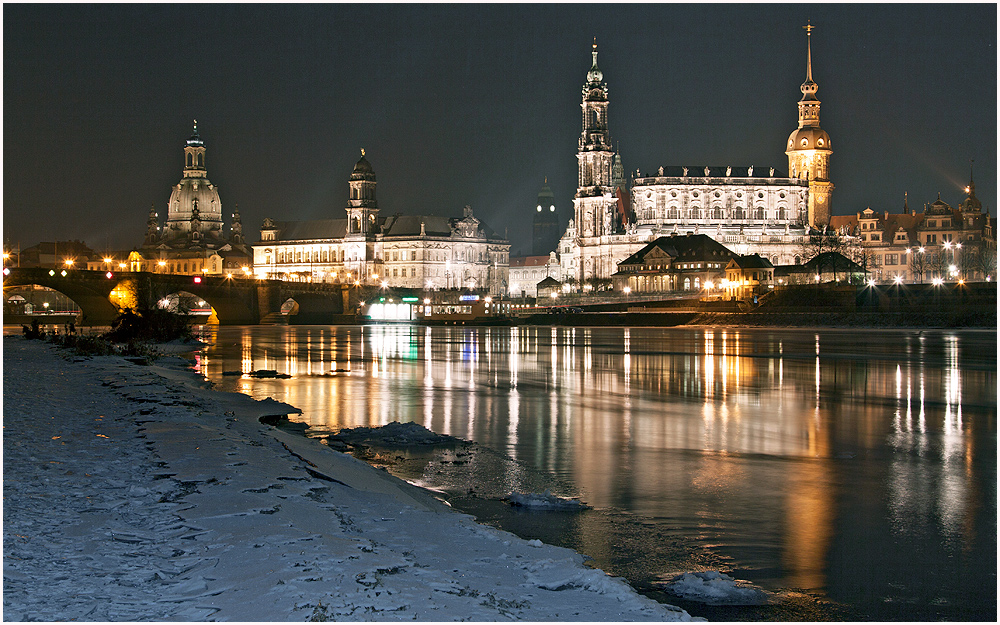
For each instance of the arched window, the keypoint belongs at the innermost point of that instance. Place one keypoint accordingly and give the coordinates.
(687, 284)
(189, 159)
(201, 160)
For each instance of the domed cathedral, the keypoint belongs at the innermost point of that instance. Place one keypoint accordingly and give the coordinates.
(545, 226)
(193, 239)
(194, 211)
(809, 147)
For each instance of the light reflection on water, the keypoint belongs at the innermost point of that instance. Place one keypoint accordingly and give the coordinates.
(809, 460)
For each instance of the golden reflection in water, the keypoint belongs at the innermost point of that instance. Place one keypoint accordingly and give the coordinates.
(809, 517)
(607, 415)
(246, 347)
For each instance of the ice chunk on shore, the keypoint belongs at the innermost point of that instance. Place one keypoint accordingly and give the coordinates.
(544, 501)
(395, 434)
(715, 588)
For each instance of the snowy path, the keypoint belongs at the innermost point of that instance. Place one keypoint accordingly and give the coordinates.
(132, 494)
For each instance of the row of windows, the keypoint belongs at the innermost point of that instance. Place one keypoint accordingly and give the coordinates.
(335, 256)
(713, 213)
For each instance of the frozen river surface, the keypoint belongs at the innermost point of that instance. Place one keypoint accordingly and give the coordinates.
(851, 474)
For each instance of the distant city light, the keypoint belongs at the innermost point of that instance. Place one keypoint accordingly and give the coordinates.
(937, 281)
(109, 275)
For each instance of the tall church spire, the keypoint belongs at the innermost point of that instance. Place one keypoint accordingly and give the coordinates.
(809, 146)
(593, 205)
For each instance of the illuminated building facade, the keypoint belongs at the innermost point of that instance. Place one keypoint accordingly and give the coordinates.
(750, 210)
(364, 247)
(689, 262)
(944, 242)
(527, 271)
(192, 240)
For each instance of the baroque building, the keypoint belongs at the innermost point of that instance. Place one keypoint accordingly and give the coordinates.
(751, 210)
(945, 242)
(192, 240)
(425, 252)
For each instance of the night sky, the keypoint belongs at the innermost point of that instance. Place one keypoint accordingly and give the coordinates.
(471, 104)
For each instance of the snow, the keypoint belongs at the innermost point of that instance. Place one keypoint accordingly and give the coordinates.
(715, 588)
(135, 493)
(544, 501)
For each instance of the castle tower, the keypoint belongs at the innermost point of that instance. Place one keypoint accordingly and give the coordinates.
(593, 210)
(971, 203)
(809, 147)
(362, 208)
(545, 226)
(194, 211)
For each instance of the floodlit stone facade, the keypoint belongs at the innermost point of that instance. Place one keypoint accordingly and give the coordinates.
(750, 210)
(406, 251)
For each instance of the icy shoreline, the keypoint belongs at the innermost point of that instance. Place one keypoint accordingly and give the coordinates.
(131, 493)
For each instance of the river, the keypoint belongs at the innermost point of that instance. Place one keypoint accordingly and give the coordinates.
(850, 473)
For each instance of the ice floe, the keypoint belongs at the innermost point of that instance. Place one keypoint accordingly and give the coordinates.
(715, 588)
(544, 501)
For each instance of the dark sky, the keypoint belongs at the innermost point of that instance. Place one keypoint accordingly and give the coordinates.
(471, 104)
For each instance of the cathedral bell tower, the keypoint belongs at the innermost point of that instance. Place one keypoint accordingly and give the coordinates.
(593, 204)
(809, 148)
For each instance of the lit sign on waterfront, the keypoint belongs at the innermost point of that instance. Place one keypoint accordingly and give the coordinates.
(468, 298)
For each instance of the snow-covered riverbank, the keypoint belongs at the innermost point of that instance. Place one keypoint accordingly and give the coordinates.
(132, 493)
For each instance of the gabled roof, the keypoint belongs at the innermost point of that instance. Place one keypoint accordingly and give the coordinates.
(832, 261)
(529, 261)
(693, 247)
(549, 281)
(751, 261)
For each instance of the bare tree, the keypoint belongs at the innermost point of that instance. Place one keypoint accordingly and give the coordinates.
(978, 260)
(918, 263)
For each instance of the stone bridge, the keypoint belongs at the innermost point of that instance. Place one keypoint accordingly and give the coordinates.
(236, 301)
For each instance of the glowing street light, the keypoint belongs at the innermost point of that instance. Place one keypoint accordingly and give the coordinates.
(898, 279)
(937, 281)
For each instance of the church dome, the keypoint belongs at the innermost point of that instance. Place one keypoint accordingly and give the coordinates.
(810, 138)
(191, 193)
